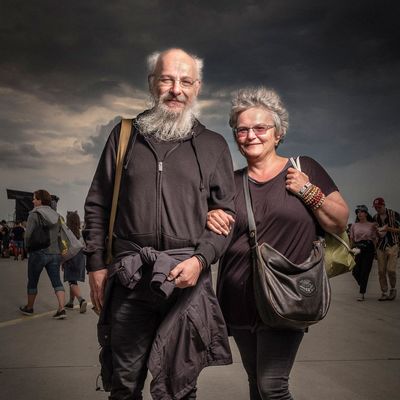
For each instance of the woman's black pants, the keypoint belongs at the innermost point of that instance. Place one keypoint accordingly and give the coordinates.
(268, 356)
(363, 265)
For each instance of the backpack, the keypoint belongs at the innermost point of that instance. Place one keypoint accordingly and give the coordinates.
(40, 237)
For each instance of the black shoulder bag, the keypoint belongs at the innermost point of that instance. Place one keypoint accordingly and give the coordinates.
(287, 295)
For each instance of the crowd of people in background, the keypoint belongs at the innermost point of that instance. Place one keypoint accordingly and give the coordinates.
(12, 240)
(376, 237)
(18, 242)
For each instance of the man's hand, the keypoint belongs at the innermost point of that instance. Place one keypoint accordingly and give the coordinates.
(382, 231)
(186, 273)
(97, 282)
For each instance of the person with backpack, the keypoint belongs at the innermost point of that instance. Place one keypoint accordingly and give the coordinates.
(42, 243)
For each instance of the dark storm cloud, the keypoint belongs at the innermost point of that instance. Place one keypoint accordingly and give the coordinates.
(81, 50)
(12, 131)
(335, 63)
(95, 144)
(20, 156)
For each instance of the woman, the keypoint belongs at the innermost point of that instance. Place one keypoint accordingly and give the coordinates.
(74, 269)
(363, 236)
(48, 257)
(288, 221)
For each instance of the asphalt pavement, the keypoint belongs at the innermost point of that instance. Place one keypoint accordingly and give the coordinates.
(353, 354)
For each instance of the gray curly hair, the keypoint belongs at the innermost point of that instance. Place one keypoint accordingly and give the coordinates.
(260, 97)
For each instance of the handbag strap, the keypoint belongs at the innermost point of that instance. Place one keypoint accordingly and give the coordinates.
(337, 237)
(296, 163)
(124, 136)
(250, 214)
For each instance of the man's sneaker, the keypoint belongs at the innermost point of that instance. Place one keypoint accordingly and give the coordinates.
(82, 306)
(361, 298)
(392, 294)
(60, 314)
(69, 305)
(383, 297)
(26, 311)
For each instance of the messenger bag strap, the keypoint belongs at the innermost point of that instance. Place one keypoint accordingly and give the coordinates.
(124, 136)
(249, 209)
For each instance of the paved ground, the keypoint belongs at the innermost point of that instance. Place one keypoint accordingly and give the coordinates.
(354, 354)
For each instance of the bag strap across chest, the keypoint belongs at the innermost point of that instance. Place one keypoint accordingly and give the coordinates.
(124, 136)
(249, 209)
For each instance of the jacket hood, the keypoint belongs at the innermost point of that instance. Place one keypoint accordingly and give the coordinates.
(50, 216)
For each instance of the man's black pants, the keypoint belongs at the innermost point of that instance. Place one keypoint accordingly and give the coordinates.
(135, 315)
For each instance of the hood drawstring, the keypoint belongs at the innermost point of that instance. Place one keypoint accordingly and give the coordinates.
(193, 142)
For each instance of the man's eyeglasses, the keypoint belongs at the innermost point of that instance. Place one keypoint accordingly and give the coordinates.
(258, 130)
(168, 81)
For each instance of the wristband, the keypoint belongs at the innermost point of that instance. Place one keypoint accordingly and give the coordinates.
(202, 260)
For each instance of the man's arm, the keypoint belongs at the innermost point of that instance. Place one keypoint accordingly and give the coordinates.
(97, 215)
(210, 245)
(98, 205)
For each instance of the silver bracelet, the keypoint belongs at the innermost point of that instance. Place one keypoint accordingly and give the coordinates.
(304, 189)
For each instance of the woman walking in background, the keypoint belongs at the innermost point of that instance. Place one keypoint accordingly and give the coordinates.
(363, 236)
(48, 257)
(74, 269)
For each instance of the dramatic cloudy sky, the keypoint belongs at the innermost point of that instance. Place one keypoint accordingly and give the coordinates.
(69, 70)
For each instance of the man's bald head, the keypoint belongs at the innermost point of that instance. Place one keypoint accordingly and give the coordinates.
(155, 60)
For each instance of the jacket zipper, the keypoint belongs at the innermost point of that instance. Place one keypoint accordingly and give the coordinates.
(158, 203)
(160, 170)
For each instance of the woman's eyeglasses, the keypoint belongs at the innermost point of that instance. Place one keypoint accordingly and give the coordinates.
(258, 130)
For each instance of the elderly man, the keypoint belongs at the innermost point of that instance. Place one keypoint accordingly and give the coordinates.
(387, 248)
(175, 171)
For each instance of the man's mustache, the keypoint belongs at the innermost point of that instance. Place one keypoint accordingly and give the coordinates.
(168, 96)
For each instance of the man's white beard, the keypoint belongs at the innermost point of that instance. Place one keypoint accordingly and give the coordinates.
(165, 125)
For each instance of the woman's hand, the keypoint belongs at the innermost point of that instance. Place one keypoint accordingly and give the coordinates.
(219, 222)
(333, 214)
(295, 180)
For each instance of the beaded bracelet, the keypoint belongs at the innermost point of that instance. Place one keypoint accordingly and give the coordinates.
(313, 197)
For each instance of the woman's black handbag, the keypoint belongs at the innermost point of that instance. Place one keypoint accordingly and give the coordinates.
(287, 295)
(40, 237)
